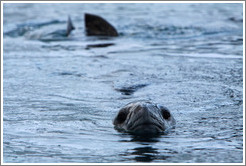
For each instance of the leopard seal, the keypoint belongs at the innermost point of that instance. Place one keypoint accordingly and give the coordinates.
(143, 118)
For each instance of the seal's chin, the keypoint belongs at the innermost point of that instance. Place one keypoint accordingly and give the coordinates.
(147, 129)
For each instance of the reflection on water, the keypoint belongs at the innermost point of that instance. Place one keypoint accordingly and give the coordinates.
(99, 45)
(146, 151)
(145, 154)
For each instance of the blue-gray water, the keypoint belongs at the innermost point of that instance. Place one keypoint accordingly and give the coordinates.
(60, 95)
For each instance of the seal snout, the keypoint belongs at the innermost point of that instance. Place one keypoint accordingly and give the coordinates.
(142, 115)
(145, 121)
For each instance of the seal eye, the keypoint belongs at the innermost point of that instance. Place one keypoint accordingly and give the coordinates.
(165, 113)
(122, 115)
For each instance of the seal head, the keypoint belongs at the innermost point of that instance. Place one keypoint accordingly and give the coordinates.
(144, 117)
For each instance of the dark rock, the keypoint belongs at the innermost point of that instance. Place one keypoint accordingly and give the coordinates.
(97, 26)
(70, 26)
(129, 90)
(58, 35)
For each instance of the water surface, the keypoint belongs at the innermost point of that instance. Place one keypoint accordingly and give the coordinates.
(60, 95)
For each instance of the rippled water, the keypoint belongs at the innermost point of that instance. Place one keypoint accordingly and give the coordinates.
(60, 94)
